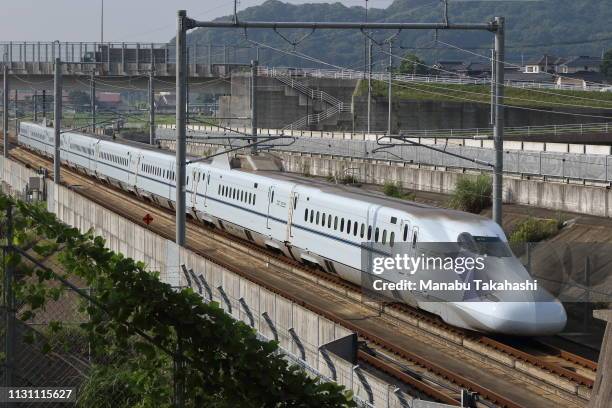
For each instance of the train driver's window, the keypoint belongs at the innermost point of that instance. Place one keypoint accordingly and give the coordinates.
(376, 235)
(392, 238)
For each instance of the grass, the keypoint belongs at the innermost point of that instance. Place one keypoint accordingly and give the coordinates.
(535, 230)
(472, 194)
(395, 190)
(545, 98)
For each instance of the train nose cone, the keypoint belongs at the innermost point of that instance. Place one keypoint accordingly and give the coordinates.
(520, 318)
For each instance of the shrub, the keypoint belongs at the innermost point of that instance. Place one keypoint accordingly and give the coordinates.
(534, 230)
(472, 195)
(395, 190)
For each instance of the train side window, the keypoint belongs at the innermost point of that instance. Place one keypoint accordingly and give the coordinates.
(329, 221)
(342, 225)
(392, 239)
(376, 235)
(311, 215)
(250, 198)
(405, 232)
(317, 218)
(335, 222)
(384, 237)
(362, 230)
(348, 226)
(414, 239)
(272, 197)
(306, 214)
(254, 197)
(242, 195)
(355, 229)
(219, 190)
(369, 232)
(294, 202)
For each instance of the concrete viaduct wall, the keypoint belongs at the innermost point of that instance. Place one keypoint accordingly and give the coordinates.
(297, 328)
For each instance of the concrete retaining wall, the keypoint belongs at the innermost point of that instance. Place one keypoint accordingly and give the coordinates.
(556, 196)
(299, 331)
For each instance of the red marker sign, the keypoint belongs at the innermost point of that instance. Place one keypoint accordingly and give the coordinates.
(147, 219)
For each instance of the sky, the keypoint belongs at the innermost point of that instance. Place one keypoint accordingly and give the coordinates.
(124, 20)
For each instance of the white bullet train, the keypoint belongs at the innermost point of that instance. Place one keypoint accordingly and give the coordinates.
(315, 222)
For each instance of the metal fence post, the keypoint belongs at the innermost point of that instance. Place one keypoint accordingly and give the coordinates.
(57, 118)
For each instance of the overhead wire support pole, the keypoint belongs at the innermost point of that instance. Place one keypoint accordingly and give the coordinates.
(390, 87)
(92, 95)
(498, 135)
(369, 84)
(151, 107)
(254, 66)
(5, 103)
(183, 24)
(57, 118)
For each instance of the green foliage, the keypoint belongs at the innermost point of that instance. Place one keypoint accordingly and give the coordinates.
(606, 64)
(395, 190)
(472, 194)
(534, 230)
(412, 64)
(226, 365)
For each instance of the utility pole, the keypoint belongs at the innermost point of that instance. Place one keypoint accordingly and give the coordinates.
(181, 51)
(5, 103)
(369, 84)
(102, 22)
(57, 118)
(254, 65)
(151, 108)
(389, 90)
(92, 103)
(499, 120)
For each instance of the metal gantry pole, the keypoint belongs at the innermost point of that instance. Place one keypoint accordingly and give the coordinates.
(92, 98)
(57, 118)
(369, 83)
(181, 77)
(254, 65)
(499, 121)
(44, 104)
(5, 104)
(151, 108)
(35, 106)
(390, 86)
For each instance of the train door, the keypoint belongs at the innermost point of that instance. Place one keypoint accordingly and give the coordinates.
(96, 158)
(270, 206)
(133, 168)
(293, 199)
(195, 183)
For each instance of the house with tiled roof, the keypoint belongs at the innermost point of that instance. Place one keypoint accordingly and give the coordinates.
(580, 64)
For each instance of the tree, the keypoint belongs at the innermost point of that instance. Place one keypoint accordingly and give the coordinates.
(606, 64)
(412, 64)
(79, 100)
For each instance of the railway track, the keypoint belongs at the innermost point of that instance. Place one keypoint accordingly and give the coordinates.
(505, 354)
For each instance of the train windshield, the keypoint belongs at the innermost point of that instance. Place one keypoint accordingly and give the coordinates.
(481, 245)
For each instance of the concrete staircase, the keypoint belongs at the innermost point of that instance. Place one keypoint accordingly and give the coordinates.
(334, 106)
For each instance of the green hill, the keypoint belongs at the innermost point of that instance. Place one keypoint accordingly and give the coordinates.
(558, 27)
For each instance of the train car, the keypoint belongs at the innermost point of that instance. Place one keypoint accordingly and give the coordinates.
(322, 224)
